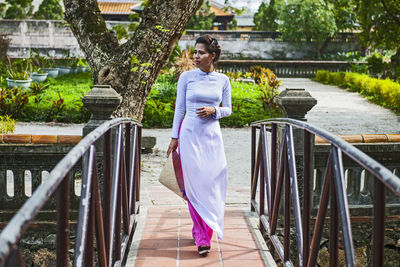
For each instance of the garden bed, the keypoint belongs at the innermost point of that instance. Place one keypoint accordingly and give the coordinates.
(61, 101)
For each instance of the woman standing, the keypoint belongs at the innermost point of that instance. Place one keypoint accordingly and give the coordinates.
(201, 148)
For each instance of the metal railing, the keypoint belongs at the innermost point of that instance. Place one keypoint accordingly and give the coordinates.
(111, 224)
(273, 175)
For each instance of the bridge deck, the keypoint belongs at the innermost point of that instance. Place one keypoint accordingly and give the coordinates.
(163, 237)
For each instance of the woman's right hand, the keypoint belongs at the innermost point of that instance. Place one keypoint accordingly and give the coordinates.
(173, 145)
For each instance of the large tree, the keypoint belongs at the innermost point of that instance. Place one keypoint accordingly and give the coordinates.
(266, 17)
(316, 21)
(380, 24)
(132, 67)
(19, 9)
(49, 9)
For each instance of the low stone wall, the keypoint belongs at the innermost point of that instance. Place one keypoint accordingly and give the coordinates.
(384, 148)
(26, 161)
(53, 37)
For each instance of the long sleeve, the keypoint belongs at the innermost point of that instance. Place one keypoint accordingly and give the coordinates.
(226, 108)
(180, 105)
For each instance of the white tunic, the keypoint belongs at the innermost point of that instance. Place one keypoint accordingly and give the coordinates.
(200, 143)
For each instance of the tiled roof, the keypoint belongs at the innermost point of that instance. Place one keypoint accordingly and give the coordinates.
(117, 7)
(219, 12)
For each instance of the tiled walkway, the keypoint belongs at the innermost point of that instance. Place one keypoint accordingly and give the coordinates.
(163, 235)
(166, 241)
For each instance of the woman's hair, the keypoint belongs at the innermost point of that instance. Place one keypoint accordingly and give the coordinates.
(211, 45)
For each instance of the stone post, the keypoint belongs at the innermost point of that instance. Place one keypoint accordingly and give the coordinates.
(101, 101)
(295, 104)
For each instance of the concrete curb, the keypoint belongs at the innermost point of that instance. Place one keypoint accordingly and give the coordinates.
(263, 248)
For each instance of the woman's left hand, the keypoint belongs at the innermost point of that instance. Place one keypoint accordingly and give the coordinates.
(205, 111)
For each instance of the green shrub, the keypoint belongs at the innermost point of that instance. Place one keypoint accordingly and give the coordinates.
(383, 92)
(247, 104)
(7, 124)
(322, 76)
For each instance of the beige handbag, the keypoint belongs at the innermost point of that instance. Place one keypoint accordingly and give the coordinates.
(171, 175)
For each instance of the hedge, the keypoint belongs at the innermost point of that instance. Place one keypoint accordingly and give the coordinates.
(385, 93)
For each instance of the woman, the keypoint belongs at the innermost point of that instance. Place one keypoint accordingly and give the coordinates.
(199, 137)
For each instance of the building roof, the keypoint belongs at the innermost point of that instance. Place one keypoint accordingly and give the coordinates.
(117, 7)
(219, 12)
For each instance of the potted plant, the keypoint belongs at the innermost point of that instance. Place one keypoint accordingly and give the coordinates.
(39, 75)
(82, 65)
(18, 73)
(47, 64)
(18, 78)
(64, 66)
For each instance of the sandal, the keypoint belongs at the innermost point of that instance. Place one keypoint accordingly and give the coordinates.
(203, 249)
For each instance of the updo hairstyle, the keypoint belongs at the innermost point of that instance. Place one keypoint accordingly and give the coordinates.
(211, 45)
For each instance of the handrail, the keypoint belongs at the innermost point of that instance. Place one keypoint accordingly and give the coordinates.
(284, 172)
(388, 178)
(59, 176)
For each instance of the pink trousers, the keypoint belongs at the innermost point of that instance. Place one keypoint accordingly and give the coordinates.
(201, 232)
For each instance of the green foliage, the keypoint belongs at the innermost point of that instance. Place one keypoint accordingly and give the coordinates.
(316, 21)
(49, 9)
(268, 86)
(349, 56)
(376, 63)
(12, 101)
(379, 22)
(308, 20)
(59, 100)
(19, 69)
(121, 31)
(266, 17)
(124, 31)
(7, 124)
(3, 8)
(382, 92)
(203, 19)
(19, 9)
(247, 104)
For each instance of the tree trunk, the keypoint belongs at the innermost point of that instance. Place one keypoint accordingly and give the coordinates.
(130, 68)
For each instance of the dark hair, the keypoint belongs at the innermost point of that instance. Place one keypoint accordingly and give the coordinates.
(211, 45)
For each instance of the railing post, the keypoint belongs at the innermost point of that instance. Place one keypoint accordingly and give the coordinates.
(63, 222)
(253, 160)
(379, 224)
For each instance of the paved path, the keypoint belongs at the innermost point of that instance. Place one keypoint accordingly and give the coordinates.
(344, 112)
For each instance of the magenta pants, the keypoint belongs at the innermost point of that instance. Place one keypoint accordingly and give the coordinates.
(201, 232)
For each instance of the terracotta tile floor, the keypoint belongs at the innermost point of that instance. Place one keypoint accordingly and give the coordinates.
(166, 241)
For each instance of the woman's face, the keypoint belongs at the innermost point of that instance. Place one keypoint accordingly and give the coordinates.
(202, 58)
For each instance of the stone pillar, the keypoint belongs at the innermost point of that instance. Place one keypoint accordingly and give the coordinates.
(101, 101)
(295, 104)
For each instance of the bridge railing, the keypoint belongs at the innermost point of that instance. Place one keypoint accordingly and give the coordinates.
(110, 223)
(273, 170)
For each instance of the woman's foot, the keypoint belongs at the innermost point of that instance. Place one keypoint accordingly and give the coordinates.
(203, 250)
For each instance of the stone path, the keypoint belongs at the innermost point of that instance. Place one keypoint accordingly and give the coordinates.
(344, 112)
